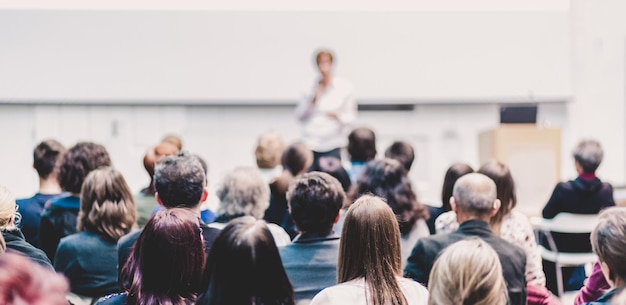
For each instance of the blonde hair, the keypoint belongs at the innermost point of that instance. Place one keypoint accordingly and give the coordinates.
(3, 245)
(467, 272)
(8, 208)
(107, 206)
(370, 249)
(269, 149)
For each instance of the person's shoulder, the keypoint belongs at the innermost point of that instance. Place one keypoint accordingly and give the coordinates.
(113, 299)
(415, 292)
(128, 239)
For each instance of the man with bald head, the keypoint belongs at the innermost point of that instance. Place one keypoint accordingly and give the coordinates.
(474, 201)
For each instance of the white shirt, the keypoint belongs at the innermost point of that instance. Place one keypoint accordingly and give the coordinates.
(353, 292)
(320, 132)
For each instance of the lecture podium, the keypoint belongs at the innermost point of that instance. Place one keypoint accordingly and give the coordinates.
(532, 153)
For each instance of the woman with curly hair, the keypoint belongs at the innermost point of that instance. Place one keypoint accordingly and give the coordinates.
(387, 178)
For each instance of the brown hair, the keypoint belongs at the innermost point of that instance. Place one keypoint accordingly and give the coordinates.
(370, 249)
(47, 156)
(78, 161)
(505, 190)
(25, 282)
(608, 240)
(324, 52)
(107, 206)
(453, 173)
(269, 149)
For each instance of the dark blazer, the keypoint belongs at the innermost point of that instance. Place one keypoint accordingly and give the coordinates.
(15, 241)
(311, 263)
(580, 196)
(512, 258)
(31, 209)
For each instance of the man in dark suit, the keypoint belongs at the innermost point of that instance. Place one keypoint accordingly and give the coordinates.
(180, 182)
(474, 201)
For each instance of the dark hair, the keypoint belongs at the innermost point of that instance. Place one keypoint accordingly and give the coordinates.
(505, 189)
(79, 160)
(403, 152)
(387, 178)
(332, 166)
(454, 172)
(166, 264)
(315, 199)
(324, 52)
(179, 181)
(244, 267)
(362, 144)
(296, 158)
(107, 206)
(47, 156)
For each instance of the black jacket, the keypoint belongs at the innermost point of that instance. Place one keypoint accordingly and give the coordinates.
(15, 241)
(578, 196)
(512, 258)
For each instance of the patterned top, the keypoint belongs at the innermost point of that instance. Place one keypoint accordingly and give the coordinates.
(517, 230)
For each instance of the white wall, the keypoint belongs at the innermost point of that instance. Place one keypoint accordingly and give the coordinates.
(598, 108)
(225, 136)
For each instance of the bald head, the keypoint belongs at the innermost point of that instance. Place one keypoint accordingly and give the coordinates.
(475, 194)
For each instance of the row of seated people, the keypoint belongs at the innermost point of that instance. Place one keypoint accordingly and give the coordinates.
(104, 212)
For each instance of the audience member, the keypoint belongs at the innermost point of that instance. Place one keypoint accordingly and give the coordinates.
(296, 160)
(244, 267)
(173, 139)
(388, 179)
(244, 193)
(46, 158)
(369, 266)
(328, 111)
(403, 152)
(467, 272)
(167, 263)
(25, 283)
(474, 201)
(585, 195)
(205, 213)
(333, 167)
(268, 152)
(311, 260)
(107, 212)
(145, 201)
(58, 218)
(511, 225)
(12, 235)
(362, 149)
(608, 240)
(454, 172)
(180, 183)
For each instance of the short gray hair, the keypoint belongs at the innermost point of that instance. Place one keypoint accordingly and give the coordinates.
(243, 192)
(475, 194)
(588, 153)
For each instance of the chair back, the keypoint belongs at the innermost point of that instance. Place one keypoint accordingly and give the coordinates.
(566, 223)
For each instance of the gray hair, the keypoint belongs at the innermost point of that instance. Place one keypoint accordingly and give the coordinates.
(608, 240)
(243, 192)
(588, 153)
(475, 194)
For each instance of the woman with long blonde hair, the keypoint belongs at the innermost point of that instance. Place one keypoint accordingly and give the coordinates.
(369, 268)
(467, 272)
